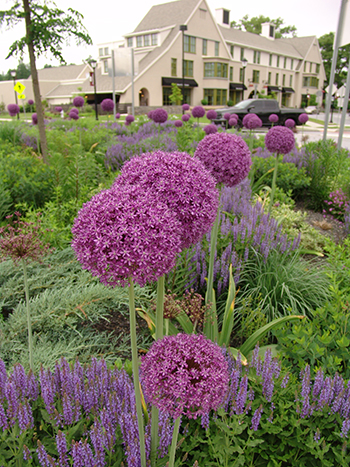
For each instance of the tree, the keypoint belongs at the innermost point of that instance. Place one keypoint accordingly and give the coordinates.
(22, 72)
(254, 25)
(326, 46)
(176, 95)
(46, 29)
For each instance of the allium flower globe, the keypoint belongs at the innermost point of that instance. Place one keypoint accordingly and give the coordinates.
(210, 129)
(289, 123)
(185, 118)
(149, 115)
(211, 115)
(73, 114)
(273, 118)
(227, 116)
(124, 233)
(178, 123)
(253, 122)
(303, 118)
(185, 374)
(107, 105)
(185, 107)
(30, 101)
(182, 183)
(58, 109)
(13, 109)
(226, 156)
(78, 101)
(117, 116)
(279, 139)
(198, 111)
(232, 121)
(159, 115)
(34, 119)
(129, 119)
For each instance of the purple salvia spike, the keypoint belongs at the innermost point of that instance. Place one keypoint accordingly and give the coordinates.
(3, 379)
(3, 418)
(61, 444)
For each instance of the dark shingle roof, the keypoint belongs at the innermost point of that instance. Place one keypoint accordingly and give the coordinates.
(61, 73)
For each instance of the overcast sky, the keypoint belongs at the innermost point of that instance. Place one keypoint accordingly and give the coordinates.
(108, 20)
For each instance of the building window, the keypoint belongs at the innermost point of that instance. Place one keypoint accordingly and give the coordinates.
(310, 81)
(269, 78)
(154, 39)
(278, 61)
(291, 80)
(106, 50)
(100, 52)
(283, 80)
(138, 41)
(285, 62)
(242, 53)
(231, 73)
(205, 47)
(241, 75)
(305, 66)
(166, 94)
(226, 18)
(270, 60)
(232, 50)
(317, 68)
(310, 70)
(130, 42)
(276, 82)
(291, 64)
(256, 58)
(147, 40)
(256, 76)
(190, 44)
(173, 67)
(188, 68)
(215, 70)
(105, 66)
(217, 49)
(215, 96)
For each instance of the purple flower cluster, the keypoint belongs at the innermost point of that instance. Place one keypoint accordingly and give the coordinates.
(185, 117)
(178, 123)
(198, 111)
(211, 115)
(129, 119)
(107, 105)
(233, 121)
(280, 140)
(251, 121)
(74, 114)
(226, 156)
(30, 141)
(303, 118)
(185, 107)
(227, 116)
(30, 101)
(181, 182)
(34, 119)
(273, 118)
(58, 109)
(159, 115)
(13, 109)
(185, 374)
(117, 116)
(210, 129)
(289, 123)
(78, 101)
(125, 233)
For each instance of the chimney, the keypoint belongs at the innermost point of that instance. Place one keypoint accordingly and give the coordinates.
(268, 30)
(222, 17)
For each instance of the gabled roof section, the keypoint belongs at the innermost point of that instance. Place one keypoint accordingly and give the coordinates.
(301, 44)
(104, 83)
(167, 14)
(61, 73)
(248, 39)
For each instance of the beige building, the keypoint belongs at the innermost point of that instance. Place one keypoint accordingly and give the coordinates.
(213, 65)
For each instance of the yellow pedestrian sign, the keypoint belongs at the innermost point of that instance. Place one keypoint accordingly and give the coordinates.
(19, 88)
(21, 96)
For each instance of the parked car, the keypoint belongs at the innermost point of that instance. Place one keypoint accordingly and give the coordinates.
(261, 107)
(311, 109)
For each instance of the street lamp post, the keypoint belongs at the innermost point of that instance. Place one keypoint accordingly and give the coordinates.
(244, 62)
(183, 28)
(93, 64)
(13, 74)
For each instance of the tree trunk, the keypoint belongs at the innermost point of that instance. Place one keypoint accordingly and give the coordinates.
(35, 81)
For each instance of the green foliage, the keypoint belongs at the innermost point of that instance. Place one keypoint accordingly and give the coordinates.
(230, 104)
(204, 101)
(176, 94)
(290, 178)
(254, 25)
(339, 264)
(326, 43)
(187, 139)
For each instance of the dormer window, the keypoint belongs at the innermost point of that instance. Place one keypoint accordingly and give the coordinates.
(138, 41)
(154, 39)
(130, 41)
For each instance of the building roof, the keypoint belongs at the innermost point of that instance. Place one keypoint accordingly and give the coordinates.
(167, 14)
(301, 44)
(278, 46)
(61, 73)
(104, 83)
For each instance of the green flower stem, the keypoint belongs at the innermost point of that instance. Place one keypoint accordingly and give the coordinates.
(29, 323)
(135, 371)
(159, 335)
(273, 188)
(174, 442)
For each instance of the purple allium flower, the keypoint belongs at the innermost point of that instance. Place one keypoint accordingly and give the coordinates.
(182, 183)
(246, 119)
(273, 118)
(126, 232)
(58, 109)
(30, 101)
(73, 114)
(211, 115)
(279, 139)
(303, 118)
(78, 101)
(185, 374)
(149, 115)
(185, 118)
(34, 119)
(159, 115)
(210, 129)
(227, 116)
(178, 123)
(232, 121)
(226, 156)
(289, 123)
(198, 111)
(185, 107)
(13, 109)
(107, 105)
(252, 122)
(129, 119)
(117, 116)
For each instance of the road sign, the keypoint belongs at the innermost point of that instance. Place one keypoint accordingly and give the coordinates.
(19, 87)
(21, 96)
